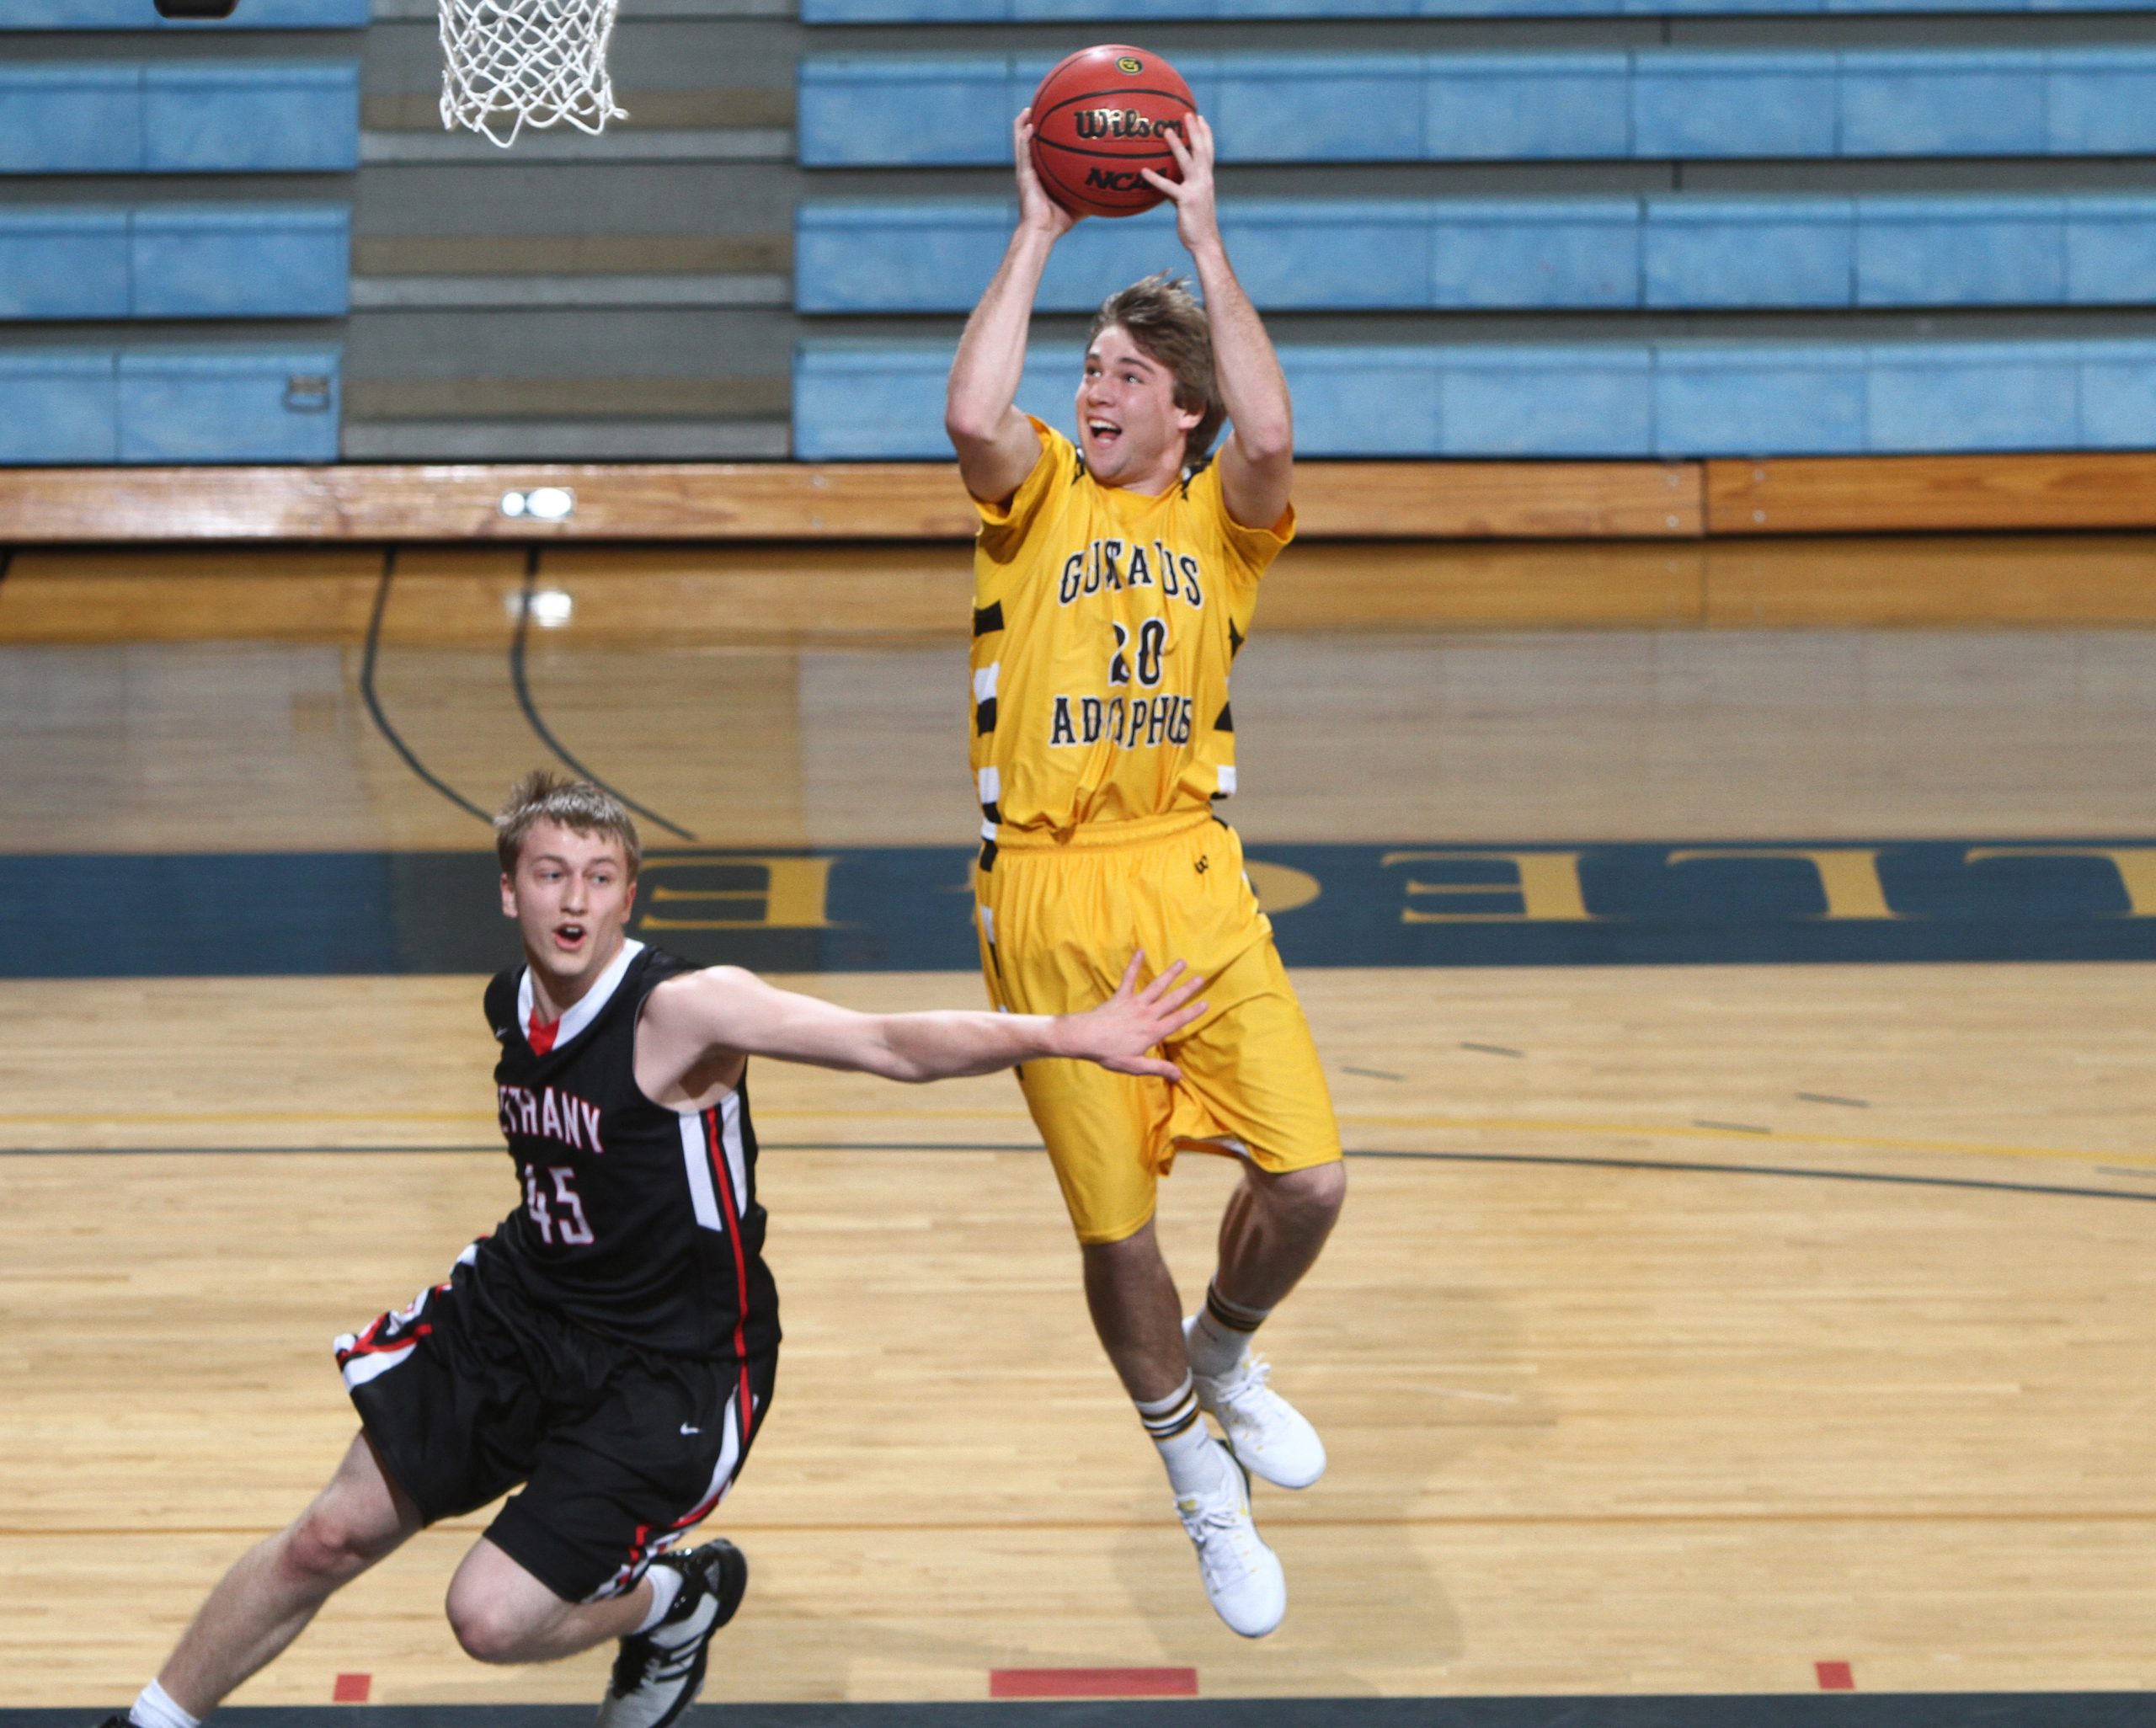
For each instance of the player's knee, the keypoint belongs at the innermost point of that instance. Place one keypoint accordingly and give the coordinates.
(327, 1546)
(1312, 1197)
(1139, 1249)
(488, 1630)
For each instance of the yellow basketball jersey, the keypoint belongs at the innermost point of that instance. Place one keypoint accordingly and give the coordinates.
(1104, 623)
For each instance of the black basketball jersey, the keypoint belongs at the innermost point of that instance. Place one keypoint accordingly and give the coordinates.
(637, 1221)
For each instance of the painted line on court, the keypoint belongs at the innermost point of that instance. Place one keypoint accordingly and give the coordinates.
(374, 702)
(1556, 1160)
(352, 1688)
(1792, 1709)
(1798, 1172)
(1438, 1124)
(1092, 1682)
(1795, 1137)
(227, 1151)
(1835, 1676)
(204, 1117)
(1279, 1517)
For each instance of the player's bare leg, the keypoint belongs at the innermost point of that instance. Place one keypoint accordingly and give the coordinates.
(1273, 1229)
(1137, 1313)
(1132, 1298)
(501, 1613)
(266, 1600)
(1275, 1226)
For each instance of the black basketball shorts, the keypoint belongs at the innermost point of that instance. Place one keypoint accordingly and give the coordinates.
(474, 1389)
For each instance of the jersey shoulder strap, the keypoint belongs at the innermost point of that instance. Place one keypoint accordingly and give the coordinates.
(650, 969)
(500, 1003)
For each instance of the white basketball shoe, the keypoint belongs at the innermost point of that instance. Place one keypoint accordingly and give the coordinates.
(658, 1674)
(1271, 1437)
(1243, 1579)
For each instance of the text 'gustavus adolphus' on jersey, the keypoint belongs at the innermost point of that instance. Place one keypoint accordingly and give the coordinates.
(1110, 566)
(555, 1116)
(1129, 722)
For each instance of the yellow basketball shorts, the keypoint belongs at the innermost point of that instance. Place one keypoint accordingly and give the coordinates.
(1059, 921)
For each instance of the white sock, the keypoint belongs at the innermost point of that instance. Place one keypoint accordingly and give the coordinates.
(1222, 1333)
(155, 1708)
(1179, 1434)
(665, 1587)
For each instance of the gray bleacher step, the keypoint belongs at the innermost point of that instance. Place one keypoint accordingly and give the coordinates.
(567, 441)
(613, 292)
(619, 143)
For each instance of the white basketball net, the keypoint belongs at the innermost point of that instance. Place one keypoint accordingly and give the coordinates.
(509, 64)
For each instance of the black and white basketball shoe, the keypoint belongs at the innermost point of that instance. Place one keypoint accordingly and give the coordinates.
(658, 1673)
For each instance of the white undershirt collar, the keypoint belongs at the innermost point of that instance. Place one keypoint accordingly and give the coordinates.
(586, 1009)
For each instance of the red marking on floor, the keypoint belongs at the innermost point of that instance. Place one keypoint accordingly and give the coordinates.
(352, 1689)
(1092, 1682)
(1835, 1676)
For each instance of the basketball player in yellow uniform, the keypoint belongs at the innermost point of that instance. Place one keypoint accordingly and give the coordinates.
(1114, 581)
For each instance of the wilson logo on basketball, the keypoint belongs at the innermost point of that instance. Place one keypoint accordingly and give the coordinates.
(1120, 122)
(1130, 63)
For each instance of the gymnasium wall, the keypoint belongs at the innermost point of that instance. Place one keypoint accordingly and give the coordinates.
(1527, 227)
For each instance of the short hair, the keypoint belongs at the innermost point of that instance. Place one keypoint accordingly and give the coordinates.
(1168, 324)
(578, 805)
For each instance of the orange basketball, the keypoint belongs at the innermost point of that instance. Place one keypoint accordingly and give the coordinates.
(1099, 116)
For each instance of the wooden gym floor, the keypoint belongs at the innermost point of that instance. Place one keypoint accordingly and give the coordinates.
(1690, 1326)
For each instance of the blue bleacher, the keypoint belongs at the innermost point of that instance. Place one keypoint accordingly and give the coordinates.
(180, 117)
(175, 261)
(901, 110)
(1675, 252)
(141, 15)
(854, 11)
(1705, 104)
(67, 119)
(64, 263)
(228, 404)
(59, 405)
(252, 261)
(1701, 253)
(1931, 252)
(861, 400)
(97, 405)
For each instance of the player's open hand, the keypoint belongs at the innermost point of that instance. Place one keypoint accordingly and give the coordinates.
(1035, 209)
(1197, 221)
(1119, 1032)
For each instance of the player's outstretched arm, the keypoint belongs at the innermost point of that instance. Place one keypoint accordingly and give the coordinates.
(690, 1021)
(996, 447)
(1258, 463)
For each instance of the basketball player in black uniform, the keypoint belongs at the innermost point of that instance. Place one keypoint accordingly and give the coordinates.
(610, 1347)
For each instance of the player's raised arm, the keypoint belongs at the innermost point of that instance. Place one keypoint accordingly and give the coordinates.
(1258, 460)
(694, 1020)
(996, 447)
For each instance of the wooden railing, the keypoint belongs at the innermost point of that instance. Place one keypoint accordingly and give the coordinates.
(808, 502)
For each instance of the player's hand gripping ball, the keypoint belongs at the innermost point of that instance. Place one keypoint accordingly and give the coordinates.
(1101, 116)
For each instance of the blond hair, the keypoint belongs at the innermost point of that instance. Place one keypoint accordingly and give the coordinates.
(578, 805)
(1167, 322)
